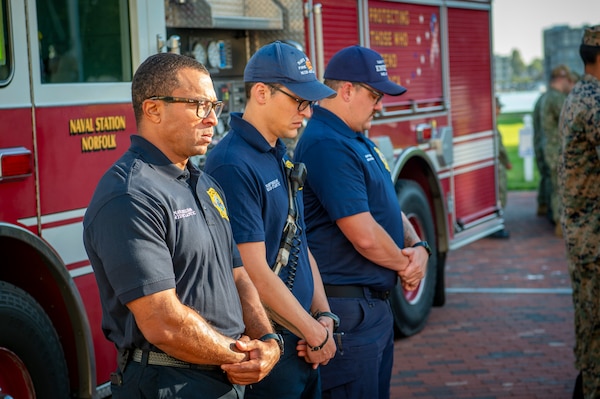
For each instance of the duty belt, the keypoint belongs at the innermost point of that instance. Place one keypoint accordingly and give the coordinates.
(162, 359)
(355, 291)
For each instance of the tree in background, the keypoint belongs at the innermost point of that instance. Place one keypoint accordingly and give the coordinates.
(517, 64)
(513, 74)
(535, 70)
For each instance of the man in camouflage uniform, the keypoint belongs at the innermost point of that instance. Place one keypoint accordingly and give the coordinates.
(544, 188)
(579, 188)
(503, 165)
(560, 84)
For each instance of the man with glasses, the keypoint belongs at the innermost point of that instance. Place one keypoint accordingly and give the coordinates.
(360, 238)
(181, 310)
(203, 106)
(261, 184)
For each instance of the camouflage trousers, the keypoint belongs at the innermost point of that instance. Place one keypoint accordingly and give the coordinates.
(552, 159)
(545, 186)
(502, 185)
(585, 280)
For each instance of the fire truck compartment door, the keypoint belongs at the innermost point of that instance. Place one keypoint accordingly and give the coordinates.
(225, 14)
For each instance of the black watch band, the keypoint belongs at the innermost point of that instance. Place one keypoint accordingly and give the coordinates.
(277, 337)
(332, 316)
(423, 244)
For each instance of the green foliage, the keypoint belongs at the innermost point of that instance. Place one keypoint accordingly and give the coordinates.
(536, 70)
(518, 66)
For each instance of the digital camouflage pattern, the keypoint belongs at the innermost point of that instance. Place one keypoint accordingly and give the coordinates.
(539, 141)
(550, 115)
(503, 164)
(591, 36)
(579, 188)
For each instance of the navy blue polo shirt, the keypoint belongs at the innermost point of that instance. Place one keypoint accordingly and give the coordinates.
(346, 175)
(252, 175)
(151, 226)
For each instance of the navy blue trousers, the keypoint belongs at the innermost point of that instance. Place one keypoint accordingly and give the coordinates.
(161, 382)
(362, 366)
(291, 378)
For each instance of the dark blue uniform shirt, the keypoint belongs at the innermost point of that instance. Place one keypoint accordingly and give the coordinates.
(252, 174)
(151, 227)
(347, 175)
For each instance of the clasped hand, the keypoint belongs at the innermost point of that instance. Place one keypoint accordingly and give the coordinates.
(414, 271)
(323, 355)
(260, 359)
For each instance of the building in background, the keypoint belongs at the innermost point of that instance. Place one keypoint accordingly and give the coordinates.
(503, 73)
(561, 46)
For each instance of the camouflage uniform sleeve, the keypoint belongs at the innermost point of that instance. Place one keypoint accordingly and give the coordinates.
(579, 171)
(550, 111)
(550, 115)
(502, 153)
(537, 115)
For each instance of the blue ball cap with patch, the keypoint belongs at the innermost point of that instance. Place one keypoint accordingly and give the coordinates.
(362, 65)
(284, 64)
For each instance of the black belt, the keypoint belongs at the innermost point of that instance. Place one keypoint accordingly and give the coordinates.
(354, 291)
(162, 359)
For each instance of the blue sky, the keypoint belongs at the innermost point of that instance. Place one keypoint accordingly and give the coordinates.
(520, 23)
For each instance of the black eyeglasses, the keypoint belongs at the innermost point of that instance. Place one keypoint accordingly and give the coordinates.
(378, 95)
(302, 104)
(203, 107)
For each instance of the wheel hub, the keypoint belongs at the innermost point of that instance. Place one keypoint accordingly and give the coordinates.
(15, 381)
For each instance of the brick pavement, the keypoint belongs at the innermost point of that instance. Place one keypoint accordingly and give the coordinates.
(506, 329)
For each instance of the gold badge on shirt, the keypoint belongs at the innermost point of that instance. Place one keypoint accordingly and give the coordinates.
(218, 202)
(382, 157)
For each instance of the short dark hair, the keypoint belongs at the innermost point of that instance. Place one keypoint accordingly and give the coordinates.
(333, 83)
(248, 88)
(588, 54)
(157, 76)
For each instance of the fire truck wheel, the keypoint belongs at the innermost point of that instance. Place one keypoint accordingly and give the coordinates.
(30, 350)
(411, 308)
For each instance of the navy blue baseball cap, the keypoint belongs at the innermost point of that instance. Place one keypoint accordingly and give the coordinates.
(362, 65)
(282, 63)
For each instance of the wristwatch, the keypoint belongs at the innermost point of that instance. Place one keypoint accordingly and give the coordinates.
(332, 316)
(423, 244)
(277, 337)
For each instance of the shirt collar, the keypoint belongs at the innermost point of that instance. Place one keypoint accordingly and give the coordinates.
(334, 122)
(156, 159)
(252, 136)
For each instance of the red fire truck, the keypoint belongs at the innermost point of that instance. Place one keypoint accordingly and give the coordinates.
(65, 116)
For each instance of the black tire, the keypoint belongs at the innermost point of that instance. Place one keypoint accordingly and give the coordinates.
(440, 286)
(411, 310)
(28, 333)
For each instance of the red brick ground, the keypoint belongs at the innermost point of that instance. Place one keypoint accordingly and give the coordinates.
(506, 330)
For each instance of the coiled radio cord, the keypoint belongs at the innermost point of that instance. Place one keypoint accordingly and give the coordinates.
(289, 247)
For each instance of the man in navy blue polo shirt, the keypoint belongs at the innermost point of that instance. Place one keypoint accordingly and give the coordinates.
(252, 166)
(177, 304)
(356, 229)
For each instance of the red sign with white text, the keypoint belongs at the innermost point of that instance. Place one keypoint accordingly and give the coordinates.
(408, 38)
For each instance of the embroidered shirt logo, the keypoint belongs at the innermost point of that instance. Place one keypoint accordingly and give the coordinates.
(183, 213)
(218, 203)
(272, 185)
(369, 157)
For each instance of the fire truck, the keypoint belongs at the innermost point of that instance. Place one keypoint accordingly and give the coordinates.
(65, 117)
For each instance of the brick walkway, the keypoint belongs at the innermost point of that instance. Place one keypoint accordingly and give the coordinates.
(506, 330)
